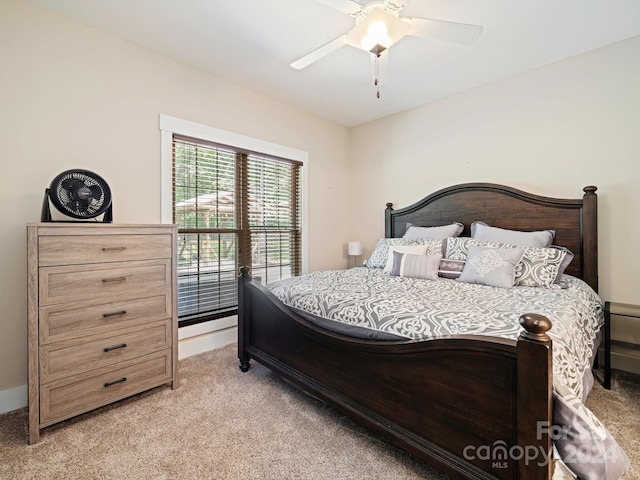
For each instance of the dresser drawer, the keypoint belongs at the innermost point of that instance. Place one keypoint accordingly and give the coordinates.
(73, 250)
(63, 359)
(78, 319)
(105, 281)
(71, 396)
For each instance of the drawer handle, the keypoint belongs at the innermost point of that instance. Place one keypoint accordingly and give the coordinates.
(113, 249)
(115, 347)
(114, 314)
(116, 279)
(120, 380)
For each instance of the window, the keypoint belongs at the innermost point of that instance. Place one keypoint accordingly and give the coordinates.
(233, 207)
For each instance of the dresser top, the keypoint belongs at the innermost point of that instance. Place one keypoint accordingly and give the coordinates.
(72, 224)
(84, 228)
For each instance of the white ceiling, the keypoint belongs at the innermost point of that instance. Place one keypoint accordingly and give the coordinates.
(252, 43)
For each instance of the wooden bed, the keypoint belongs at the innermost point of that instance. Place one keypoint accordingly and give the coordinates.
(436, 397)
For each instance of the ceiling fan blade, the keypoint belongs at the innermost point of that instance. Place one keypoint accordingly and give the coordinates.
(320, 52)
(345, 6)
(464, 33)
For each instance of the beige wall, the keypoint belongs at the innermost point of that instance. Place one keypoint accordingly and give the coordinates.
(73, 97)
(550, 131)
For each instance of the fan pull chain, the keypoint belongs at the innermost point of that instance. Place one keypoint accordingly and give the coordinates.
(376, 75)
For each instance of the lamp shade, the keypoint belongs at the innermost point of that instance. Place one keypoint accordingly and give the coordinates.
(355, 248)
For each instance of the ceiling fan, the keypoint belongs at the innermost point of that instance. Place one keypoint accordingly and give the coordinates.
(379, 24)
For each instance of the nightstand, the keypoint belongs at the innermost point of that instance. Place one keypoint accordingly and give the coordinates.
(618, 309)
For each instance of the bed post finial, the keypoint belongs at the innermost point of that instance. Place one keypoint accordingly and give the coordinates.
(590, 190)
(388, 224)
(535, 327)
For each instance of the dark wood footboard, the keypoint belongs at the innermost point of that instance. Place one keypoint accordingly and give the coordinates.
(471, 406)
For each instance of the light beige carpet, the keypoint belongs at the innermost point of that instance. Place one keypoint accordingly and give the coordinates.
(223, 424)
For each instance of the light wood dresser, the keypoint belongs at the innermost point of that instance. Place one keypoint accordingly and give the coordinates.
(102, 316)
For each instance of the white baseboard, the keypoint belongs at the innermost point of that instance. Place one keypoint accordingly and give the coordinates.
(13, 399)
(210, 341)
(622, 359)
(203, 337)
(192, 340)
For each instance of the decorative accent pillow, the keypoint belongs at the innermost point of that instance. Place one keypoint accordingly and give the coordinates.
(378, 258)
(543, 267)
(413, 249)
(415, 232)
(415, 266)
(450, 268)
(542, 238)
(495, 267)
(540, 267)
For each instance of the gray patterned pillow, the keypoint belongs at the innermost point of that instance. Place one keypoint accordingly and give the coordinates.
(450, 268)
(540, 267)
(495, 267)
(378, 258)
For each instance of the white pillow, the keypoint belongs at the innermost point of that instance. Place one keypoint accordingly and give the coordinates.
(412, 249)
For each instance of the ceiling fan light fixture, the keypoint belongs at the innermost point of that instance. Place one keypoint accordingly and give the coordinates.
(379, 27)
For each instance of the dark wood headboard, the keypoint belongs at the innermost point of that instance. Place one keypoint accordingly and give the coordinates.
(574, 220)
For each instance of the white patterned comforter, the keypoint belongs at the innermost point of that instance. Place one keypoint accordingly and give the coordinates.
(419, 309)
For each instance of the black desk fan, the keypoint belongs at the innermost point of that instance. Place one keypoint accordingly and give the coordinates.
(79, 194)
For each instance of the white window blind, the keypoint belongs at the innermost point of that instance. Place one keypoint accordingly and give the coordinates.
(233, 208)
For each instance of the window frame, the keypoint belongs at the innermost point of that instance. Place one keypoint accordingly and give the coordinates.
(170, 126)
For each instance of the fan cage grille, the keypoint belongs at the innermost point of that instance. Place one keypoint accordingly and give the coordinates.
(80, 194)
